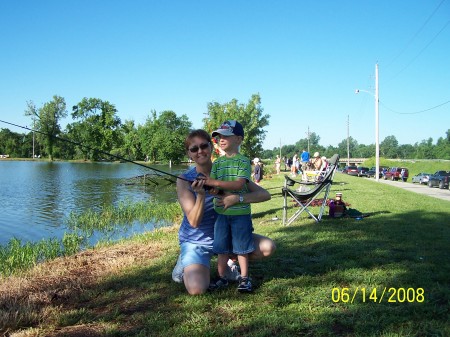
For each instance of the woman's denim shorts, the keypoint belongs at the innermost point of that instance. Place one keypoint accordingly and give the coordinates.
(193, 253)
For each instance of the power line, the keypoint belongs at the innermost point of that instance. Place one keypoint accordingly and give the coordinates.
(416, 112)
(423, 49)
(415, 35)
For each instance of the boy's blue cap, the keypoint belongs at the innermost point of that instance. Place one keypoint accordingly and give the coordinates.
(230, 128)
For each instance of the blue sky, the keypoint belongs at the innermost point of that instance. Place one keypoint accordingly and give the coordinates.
(305, 59)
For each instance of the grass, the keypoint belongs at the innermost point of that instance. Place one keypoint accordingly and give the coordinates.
(108, 218)
(126, 289)
(17, 256)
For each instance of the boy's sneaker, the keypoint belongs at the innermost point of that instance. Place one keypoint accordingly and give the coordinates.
(233, 272)
(177, 273)
(218, 283)
(245, 286)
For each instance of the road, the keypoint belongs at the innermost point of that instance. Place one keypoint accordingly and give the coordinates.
(421, 189)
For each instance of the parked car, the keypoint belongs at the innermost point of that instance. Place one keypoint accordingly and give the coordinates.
(439, 179)
(351, 170)
(397, 173)
(362, 171)
(371, 172)
(421, 178)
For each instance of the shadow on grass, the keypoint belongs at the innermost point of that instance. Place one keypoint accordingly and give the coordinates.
(294, 289)
(395, 251)
(313, 262)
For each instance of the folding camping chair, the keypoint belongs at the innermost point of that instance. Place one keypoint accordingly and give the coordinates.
(304, 198)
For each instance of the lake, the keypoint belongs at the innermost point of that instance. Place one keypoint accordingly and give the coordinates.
(36, 197)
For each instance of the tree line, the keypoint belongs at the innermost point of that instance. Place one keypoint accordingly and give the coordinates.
(389, 148)
(97, 129)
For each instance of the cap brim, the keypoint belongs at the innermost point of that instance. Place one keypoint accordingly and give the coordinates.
(222, 132)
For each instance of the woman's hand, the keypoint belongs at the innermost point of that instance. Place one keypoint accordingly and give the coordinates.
(198, 186)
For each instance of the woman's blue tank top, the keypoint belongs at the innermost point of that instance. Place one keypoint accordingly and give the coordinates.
(204, 234)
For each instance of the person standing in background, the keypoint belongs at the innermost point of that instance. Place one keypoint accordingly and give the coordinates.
(278, 164)
(257, 171)
(295, 163)
(304, 160)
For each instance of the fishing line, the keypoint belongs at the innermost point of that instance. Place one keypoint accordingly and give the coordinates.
(101, 151)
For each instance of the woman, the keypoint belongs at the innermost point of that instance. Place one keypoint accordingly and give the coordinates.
(196, 232)
(278, 164)
(295, 165)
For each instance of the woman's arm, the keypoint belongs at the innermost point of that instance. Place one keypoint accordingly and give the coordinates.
(192, 207)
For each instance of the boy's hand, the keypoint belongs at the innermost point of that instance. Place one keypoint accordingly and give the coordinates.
(204, 181)
(227, 200)
(209, 181)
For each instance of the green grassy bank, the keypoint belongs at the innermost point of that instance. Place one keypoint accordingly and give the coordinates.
(385, 275)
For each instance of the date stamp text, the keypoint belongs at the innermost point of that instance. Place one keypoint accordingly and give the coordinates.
(377, 295)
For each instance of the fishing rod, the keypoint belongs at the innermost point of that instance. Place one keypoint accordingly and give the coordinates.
(101, 151)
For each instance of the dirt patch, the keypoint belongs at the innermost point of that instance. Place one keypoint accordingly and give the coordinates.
(35, 296)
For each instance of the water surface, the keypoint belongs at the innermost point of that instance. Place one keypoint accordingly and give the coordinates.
(37, 196)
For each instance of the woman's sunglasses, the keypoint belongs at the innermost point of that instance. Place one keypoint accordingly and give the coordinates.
(195, 148)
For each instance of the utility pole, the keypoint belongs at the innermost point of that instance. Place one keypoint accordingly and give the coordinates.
(377, 141)
(348, 140)
(34, 118)
(308, 134)
(280, 148)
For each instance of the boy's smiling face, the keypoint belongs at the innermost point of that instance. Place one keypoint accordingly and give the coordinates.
(230, 144)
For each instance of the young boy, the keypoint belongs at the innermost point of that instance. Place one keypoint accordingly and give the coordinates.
(233, 228)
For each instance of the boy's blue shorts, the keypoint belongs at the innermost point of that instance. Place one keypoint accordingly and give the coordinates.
(233, 234)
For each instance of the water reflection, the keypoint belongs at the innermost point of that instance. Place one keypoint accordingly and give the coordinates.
(36, 197)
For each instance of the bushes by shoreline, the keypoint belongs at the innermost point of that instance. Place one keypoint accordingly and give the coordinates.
(17, 256)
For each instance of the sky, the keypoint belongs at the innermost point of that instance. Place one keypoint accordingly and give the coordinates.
(304, 58)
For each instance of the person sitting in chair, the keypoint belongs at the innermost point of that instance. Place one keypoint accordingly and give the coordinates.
(314, 165)
(316, 162)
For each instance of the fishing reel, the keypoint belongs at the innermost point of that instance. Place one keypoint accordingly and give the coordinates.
(201, 176)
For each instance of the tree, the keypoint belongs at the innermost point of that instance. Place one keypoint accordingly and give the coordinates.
(342, 148)
(65, 150)
(14, 144)
(46, 121)
(442, 148)
(424, 150)
(251, 117)
(162, 137)
(330, 151)
(97, 127)
(389, 147)
(288, 150)
(366, 151)
(406, 151)
(312, 144)
(129, 145)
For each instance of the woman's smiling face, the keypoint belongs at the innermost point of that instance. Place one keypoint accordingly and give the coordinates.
(199, 150)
